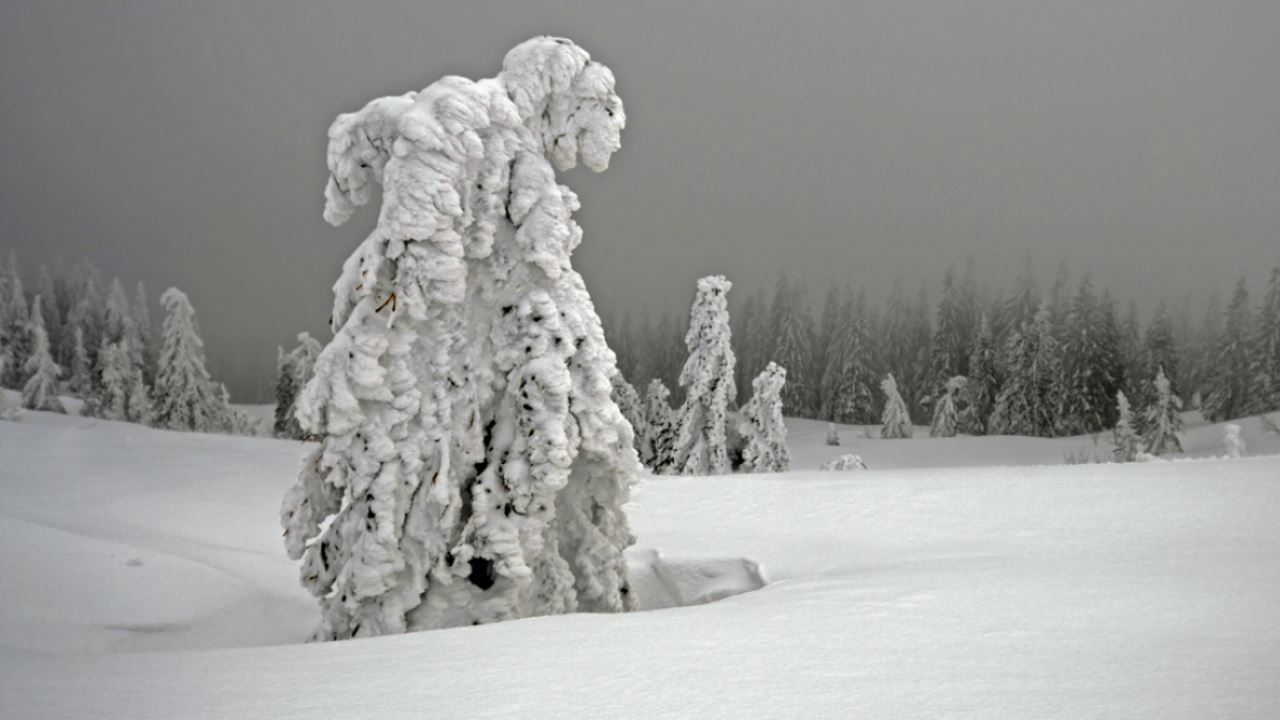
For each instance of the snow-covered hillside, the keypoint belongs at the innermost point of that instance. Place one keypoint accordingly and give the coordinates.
(1051, 591)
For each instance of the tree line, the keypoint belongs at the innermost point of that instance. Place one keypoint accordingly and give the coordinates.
(75, 335)
(978, 362)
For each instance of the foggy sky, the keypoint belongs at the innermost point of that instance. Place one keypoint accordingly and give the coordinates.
(186, 145)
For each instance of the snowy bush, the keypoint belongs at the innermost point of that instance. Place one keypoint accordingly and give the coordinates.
(473, 466)
(895, 419)
(707, 380)
(762, 427)
(845, 463)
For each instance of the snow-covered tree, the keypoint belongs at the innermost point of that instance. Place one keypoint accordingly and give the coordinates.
(945, 416)
(1124, 436)
(659, 436)
(40, 391)
(833, 435)
(1086, 386)
(895, 419)
(950, 353)
(762, 426)
(1229, 386)
(791, 336)
(185, 397)
(1232, 443)
(630, 404)
(983, 386)
(15, 334)
(145, 334)
(1027, 404)
(80, 383)
(124, 394)
(1163, 418)
(293, 372)
(850, 377)
(1264, 364)
(707, 380)
(473, 466)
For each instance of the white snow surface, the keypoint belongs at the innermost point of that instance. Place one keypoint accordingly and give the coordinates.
(146, 578)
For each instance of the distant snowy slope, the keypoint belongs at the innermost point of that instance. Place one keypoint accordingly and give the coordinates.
(1134, 591)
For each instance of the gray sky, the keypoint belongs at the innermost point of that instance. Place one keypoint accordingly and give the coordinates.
(183, 143)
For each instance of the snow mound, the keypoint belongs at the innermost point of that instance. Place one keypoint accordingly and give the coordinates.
(661, 582)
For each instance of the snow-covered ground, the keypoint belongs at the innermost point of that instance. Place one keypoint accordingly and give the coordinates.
(146, 578)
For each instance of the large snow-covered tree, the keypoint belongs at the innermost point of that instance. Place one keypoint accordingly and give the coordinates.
(762, 428)
(1085, 386)
(473, 465)
(1264, 364)
(1163, 417)
(895, 420)
(983, 385)
(185, 397)
(40, 391)
(707, 379)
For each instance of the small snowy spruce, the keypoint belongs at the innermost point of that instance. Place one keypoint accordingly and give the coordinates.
(707, 380)
(40, 392)
(945, 416)
(123, 394)
(762, 426)
(473, 466)
(895, 419)
(833, 436)
(185, 397)
(293, 372)
(1232, 443)
(659, 437)
(630, 404)
(1163, 418)
(15, 333)
(1124, 436)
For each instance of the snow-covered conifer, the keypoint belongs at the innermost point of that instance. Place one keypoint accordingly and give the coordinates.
(1027, 402)
(15, 332)
(945, 416)
(833, 435)
(762, 426)
(1232, 443)
(983, 386)
(1164, 418)
(185, 397)
(145, 333)
(1124, 436)
(791, 338)
(1085, 385)
(40, 391)
(1264, 365)
(658, 440)
(950, 356)
(293, 372)
(123, 394)
(473, 466)
(895, 419)
(707, 380)
(630, 404)
(1229, 384)
(851, 388)
(80, 384)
